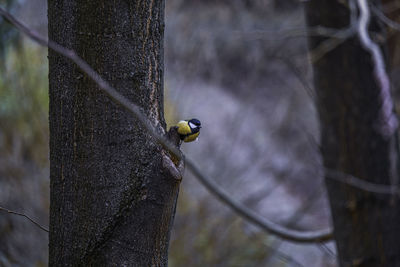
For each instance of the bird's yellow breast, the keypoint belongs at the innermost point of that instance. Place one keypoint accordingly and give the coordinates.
(192, 137)
(183, 128)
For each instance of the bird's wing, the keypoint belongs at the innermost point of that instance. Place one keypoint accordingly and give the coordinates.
(183, 128)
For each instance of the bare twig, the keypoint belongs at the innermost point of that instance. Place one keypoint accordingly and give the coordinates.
(359, 183)
(279, 34)
(388, 122)
(392, 24)
(282, 232)
(327, 250)
(297, 73)
(331, 43)
(352, 180)
(390, 7)
(297, 216)
(103, 84)
(285, 258)
(26, 216)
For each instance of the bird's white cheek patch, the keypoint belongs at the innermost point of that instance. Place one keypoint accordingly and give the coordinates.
(191, 125)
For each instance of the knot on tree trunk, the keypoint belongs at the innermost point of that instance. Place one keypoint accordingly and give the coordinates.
(173, 165)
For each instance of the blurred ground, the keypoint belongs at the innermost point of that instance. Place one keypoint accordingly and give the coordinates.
(238, 66)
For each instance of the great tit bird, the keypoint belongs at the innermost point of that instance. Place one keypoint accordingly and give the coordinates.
(189, 130)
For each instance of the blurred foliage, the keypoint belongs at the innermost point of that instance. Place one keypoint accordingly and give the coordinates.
(24, 103)
(9, 36)
(24, 138)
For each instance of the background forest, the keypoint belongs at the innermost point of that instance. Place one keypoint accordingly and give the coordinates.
(239, 66)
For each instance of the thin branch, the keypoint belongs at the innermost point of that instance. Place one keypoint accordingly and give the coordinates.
(392, 24)
(26, 216)
(285, 258)
(294, 32)
(390, 7)
(298, 215)
(337, 37)
(330, 44)
(352, 180)
(276, 229)
(388, 122)
(297, 73)
(282, 232)
(360, 183)
(103, 84)
(327, 250)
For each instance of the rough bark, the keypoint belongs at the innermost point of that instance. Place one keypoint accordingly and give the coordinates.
(112, 196)
(354, 140)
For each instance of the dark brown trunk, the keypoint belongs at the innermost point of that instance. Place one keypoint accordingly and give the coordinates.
(285, 5)
(392, 12)
(355, 140)
(393, 40)
(112, 203)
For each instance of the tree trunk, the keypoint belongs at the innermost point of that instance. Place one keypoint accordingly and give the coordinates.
(393, 40)
(112, 202)
(357, 139)
(392, 12)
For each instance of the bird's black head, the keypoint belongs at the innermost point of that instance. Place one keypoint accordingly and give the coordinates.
(196, 122)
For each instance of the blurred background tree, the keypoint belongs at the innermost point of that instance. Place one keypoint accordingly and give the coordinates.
(359, 136)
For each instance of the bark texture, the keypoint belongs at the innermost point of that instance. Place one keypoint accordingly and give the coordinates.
(112, 193)
(356, 139)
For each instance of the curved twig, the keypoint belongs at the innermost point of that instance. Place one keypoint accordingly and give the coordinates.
(360, 183)
(26, 216)
(392, 24)
(271, 227)
(388, 121)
